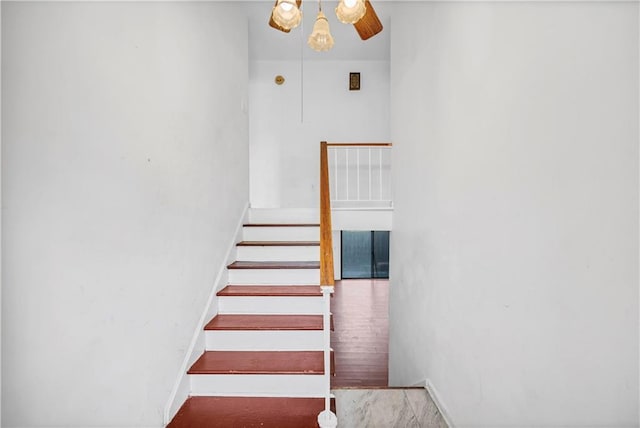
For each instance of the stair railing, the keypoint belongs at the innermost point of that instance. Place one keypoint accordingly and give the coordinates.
(326, 418)
(361, 175)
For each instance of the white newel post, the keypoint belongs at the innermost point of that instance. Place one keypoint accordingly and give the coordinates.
(326, 418)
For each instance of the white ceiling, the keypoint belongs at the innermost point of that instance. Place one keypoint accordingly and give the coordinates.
(266, 43)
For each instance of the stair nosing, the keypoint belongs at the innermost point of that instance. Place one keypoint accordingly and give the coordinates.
(257, 371)
(278, 244)
(221, 410)
(262, 317)
(275, 265)
(267, 291)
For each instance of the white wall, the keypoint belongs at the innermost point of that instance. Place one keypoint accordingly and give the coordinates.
(288, 123)
(514, 265)
(125, 171)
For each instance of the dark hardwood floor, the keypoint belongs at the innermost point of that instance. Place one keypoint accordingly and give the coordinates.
(361, 337)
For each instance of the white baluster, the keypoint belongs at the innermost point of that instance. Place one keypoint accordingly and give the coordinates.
(358, 173)
(370, 179)
(380, 171)
(335, 173)
(346, 152)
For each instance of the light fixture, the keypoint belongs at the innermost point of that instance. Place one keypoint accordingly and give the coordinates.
(286, 14)
(350, 11)
(320, 39)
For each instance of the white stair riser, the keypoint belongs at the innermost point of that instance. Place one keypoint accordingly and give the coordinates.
(260, 340)
(274, 233)
(270, 305)
(278, 253)
(284, 215)
(274, 276)
(273, 385)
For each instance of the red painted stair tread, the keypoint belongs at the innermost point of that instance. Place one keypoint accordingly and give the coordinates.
(265, 322)
(260, 362)
(274, 265)
(249, 412)
(271, 290)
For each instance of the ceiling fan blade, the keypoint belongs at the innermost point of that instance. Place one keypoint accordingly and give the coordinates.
(273, 24)
(369, 25)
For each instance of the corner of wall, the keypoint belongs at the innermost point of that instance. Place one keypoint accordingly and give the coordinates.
(437, 399)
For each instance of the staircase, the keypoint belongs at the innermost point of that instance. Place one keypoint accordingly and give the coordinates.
(263, 363)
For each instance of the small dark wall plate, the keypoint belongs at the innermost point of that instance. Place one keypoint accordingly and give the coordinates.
(354, 81)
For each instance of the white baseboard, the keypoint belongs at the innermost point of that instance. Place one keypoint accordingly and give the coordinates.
(181, 389)
(437, 399)
(82, 426)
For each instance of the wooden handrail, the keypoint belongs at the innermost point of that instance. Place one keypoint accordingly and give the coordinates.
(359, 144)
(326, 242)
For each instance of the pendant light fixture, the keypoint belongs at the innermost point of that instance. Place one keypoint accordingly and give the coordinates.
(350, 11)
(286, 14)
(320, 39)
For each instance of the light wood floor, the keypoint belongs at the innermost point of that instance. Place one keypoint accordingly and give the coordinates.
(361, 337)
